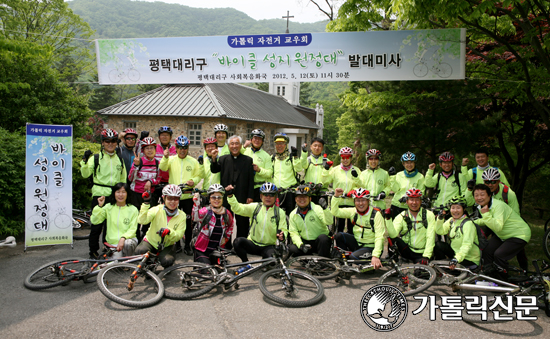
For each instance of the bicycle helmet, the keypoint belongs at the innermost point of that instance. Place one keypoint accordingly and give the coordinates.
(171, 190)
(458, 200)
(280, 137)
(268, 188)
(182, 141)
(131, 131)
(446, 156)
(360, 193)
(258, 133)
(373, 153)
(409, 156)
(346, 151)
(491, 174)
(165, 129)
(209, 141)
(108, 134)
(220, 128)
(414, 193)
(149, 141)
(215, 188)
(303, 190)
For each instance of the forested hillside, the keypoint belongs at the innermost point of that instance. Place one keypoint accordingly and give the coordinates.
(135, 19)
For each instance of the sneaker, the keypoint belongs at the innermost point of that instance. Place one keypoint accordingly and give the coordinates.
(94, 256)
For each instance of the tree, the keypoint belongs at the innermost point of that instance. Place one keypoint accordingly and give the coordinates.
(32, 92)
(49, 23)
(327, 7)
(517, 29)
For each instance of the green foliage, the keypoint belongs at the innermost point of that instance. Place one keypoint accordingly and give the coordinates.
(50, 23)
(12, 181)
(139, 19)
(82, 197)
(32, 92)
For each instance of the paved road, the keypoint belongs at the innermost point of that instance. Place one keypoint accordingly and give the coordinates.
(80, 310)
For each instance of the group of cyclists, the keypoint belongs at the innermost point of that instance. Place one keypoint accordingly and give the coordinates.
(144, 180)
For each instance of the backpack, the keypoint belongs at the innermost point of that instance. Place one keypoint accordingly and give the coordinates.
(254, 218)
(456, 174)
(199, 226)
(372, 215)
(410, 224)
(474, 172)
(96, 161)
(481, 237)
(505, 193)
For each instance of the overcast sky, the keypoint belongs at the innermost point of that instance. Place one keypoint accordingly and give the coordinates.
(302, 10)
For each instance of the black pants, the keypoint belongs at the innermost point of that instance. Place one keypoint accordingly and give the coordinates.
(244, 246)
(166, 257)
(443, 250)
(347, 242)
(137, 200)
(321, 246)
(341, 222)
(406, 252)
(187, 206)
(256, 197)
(205, 257)
(95, 231)
(499, 252)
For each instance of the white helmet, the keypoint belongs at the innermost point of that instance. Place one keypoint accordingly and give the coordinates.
(171, 190)
(491, 174)
(215, 188)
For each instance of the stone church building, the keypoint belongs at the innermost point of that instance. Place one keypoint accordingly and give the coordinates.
(194, 109)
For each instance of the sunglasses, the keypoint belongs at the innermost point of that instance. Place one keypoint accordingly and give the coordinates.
(110, 141)
(182, 147)
(490, 182)
(130, 139)
(346, 156)
(216, 198)
(268, 194)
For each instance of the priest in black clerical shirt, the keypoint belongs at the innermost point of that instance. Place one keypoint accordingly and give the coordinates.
(236, 170)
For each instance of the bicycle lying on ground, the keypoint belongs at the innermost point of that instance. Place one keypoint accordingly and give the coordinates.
(8, 242)
(63, 271)
(282, 285)
(133, 285)
(340, 267)
(469, 284)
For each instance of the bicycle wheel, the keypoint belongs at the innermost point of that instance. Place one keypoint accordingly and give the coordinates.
(188, 281)
(320, 267)
(546, 225)
(55, 273)
(81, 227)
(448, 275)
(546, 243)
(409, 279)
(295, 289)
(114, 279)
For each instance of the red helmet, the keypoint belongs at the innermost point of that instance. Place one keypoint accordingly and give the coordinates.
(346, 151)
(446, 156)
(108, 134)
(210, 141)
(414, 193)
(373, 153)
(360, 193)
(130, 131)
(149, 141)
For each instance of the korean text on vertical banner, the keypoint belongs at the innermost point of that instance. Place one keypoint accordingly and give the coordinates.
(48, 185)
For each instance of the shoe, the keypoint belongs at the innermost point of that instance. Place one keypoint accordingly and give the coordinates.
(177, 247)
(188, 251)
(94, 256)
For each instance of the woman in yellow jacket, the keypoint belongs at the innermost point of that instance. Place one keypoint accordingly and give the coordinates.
(167, 222)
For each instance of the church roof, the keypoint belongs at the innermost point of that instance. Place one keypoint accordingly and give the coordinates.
(228, 100)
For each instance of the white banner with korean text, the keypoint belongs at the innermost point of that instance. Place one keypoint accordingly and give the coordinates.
(437, 54)
(48, 185)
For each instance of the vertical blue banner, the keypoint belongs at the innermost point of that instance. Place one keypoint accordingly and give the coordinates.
(48, 185)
